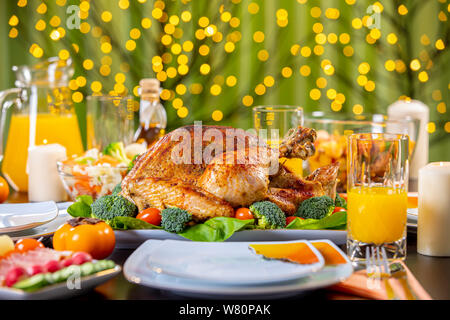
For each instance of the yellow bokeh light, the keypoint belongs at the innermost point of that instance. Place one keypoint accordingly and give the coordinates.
(400, 66)
(231, 81)
(331, 94)
(357, 23)
(431, 127)
(415, 64)
(188, 46)
(392, 38)
(203, 22)
(171, 72)
(344, 38)
(253, 8)
(315, 12)
(282, 14)
(295, 49)
(229, 47)
(225, 16)
(106, 47)
(315, 94)
(247, 101)
(106, 16)
(305, 51)
(286, 72)
(166, 39)
(447, 127)
(436, 95)
(96, 86)
(146, 23)
(73, 84)
(423, 76)
(320, 38)
(183, 112)
(88, 64)
(332, 38)
(263, 55)
(260, 89)
(40, 25)
(215, 89)
(176, 48)
(370, 86)
(305, 70)
(177, 103)
(186, 16)
(130, 45)
(217, 115)
(85, 27)
(364, 68)
(165, 94)
(389, 65)
(332, 13)
(375, 34)
(269, 81)
(161, 76)
(183, 69)
(42, 8)
(55, 21)
(77, 97)
(441, 107)
(13, 21)
(157, 13)
(174, 20)
(205, 68)
(340, 98)
(336, 106)
(135, 33)
(64, 54)
(258, 36)
(358, 109)
(361, 80)
(329, 70)
(235, 22)
(440, 44)
(13, 33)
(402, 10)
(321, 82)
(317, 27)
(120, 77)
(105, 70)
(180, 89)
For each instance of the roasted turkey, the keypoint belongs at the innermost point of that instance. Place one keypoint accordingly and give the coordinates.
(210, 170)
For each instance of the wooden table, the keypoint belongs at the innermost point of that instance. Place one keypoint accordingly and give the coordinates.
(432, 272)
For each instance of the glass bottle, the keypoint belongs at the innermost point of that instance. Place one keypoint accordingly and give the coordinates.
(152, 115)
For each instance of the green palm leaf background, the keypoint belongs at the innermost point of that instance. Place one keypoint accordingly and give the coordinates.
(217, 59)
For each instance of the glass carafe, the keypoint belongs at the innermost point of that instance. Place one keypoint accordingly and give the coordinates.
(38, 111)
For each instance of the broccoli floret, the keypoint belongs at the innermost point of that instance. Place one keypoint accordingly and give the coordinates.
(340, 202)
(117, 189)
(117, 151)
(269, 215)
(110, 206)
(174, 219)
(315, 208)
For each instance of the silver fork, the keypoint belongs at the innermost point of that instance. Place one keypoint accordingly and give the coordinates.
(377, 269)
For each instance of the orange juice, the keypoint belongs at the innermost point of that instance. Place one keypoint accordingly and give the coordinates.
(376, 214)
(50, 128)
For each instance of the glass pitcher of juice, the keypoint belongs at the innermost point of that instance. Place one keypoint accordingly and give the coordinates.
(38, 111)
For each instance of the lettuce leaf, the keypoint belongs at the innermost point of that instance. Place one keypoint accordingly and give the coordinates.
(216, 229)
(129, 223)
(82, 207)
(337, 220)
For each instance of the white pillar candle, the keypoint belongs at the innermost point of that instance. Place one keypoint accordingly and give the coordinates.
(433, 227)
(414, 109)
(44, 183)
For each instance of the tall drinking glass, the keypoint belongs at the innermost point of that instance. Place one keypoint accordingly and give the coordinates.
(276, 121)
(110, 119)
(377, 166)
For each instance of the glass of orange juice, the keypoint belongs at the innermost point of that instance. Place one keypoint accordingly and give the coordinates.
(276, 121)
(377, 194)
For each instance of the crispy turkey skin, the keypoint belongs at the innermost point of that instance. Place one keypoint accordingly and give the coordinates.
(210, 170)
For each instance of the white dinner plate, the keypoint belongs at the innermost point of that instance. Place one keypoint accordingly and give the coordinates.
(61, 290)
(21, 216)
(228, 263)
(136, 270)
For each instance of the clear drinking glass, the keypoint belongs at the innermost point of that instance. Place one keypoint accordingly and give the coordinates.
(377, 166)
(110, 119)
(276, 121)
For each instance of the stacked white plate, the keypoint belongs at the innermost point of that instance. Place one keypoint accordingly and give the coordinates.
(227, 270)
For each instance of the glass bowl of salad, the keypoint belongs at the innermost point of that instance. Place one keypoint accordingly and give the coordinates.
(96, 173)
(332, 131)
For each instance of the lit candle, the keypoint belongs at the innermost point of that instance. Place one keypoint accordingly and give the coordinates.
(433, 227)
(414, 109)
(44, 183)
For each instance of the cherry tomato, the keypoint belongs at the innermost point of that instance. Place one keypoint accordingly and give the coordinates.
(88, 235)
(24, 245)
(338, 209)
(290, 219)
(150, 215)
(243, 214)
(4, 190)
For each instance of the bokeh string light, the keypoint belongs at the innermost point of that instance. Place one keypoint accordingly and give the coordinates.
(344, 61)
